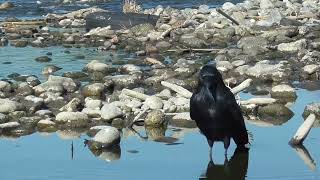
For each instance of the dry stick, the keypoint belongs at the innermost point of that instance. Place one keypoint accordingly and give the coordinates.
(178, 89)
(303, 131)
(195, 50)
(259, 101)
(241, 86)
(227, 16)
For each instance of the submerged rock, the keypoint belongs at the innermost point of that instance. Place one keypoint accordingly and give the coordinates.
(183, 120)
(277, 113)
(106, 137)
(155, 118)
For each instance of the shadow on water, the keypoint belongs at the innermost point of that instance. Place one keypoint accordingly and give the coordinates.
(235, 168)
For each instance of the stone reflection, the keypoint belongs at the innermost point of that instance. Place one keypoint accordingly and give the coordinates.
(235, 168)
(109, 154)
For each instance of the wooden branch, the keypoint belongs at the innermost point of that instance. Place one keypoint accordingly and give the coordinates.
(303, 130)
(259, 101)
(227, 16)
(135, 94)
(195, 50)
(178, 89)
(241, 86)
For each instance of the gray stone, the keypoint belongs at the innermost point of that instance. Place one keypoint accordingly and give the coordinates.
(72, 119)
(43, 59)
(253, 45)
(94, 113)
(93, 103)
(24, 89)
(169, 107)
(5, 86)
(50, 69)
(107, 136)
(266, 4)
(6, 6)
(293, 46)
(7, 106)
(110, 111)
(72, 106)
(155, 118)
(154, 102)
(274, 17)
(130, 68)
(310, 69)
(97, 66)
(283, 91)
(276, 113)
(3, 118)
(33, 81)
(45, 124)
(9, 125)
(224, 65)
(121, 81)
(96, 90)
(264, 70)
(312, 108)
(238, 63)
(192, 41)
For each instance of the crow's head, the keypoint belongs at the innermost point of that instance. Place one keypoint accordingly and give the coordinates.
(210, 75)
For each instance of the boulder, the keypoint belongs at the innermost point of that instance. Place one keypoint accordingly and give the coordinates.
(283, 91)
(7, 106)
(155, 118)
(293, 47)
(110, 111)
(154, 102)
(72, 119)
(107, 136)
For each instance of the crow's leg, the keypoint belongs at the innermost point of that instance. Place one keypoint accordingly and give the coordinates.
(210, 142)
(226, 142)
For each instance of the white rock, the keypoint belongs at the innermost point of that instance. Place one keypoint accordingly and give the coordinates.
(310, 69)
(110, 111)
(9, 125)
(95, 65)
(154, 102)
(93, 103)
(76, 119)
(5, 86)
(293, 46)
(108, 136)
(7, 106)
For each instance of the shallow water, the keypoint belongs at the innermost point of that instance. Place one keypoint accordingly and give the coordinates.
(28, 9)
(49, 156)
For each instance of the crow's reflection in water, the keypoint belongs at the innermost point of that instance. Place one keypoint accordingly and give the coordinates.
(234, 169)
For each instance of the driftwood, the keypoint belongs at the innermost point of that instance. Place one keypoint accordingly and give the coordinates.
(192, 50)
(178, 89)
(227, 16)
(135, 94)
(303, 130)
(304, 154)
(241, 86)
(259, 101)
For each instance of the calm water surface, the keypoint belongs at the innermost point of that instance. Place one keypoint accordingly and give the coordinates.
(49, 156)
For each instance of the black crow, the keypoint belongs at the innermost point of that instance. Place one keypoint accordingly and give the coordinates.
(215, 110)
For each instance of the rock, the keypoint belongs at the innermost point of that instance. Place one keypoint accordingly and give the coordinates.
(154, 102)
(44, 113)
(24, 89)
(7, 106)
(50, 69)
(266, 4)
(9, 125)
(283, 91)
(169, 107)
(92, 103)
(312, 108)
(30, 122)
(20, 43)
(65, 22)
(94, 113)
(228, 6)
(110, 111)
(33, 81)
(164, 94)
(253, 45)
(93, 90)
(204, 9)
(72, 119)
(293, 46)
(277, 112)
(46, 125)
(3, 118)
(6, 6)
(264, 70)
(238, 63)
(108, 136)
(183, 120)
(224, 65)
(274, 17)
(33, 103)
(96, 66)
(129, 68)
(72, 106)
(310, 69)
(192, 41)
(43, 59)
(101, 31)
(155, 118)
(123, 81)
(5, 86)
(163, 45)
(56, 84)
